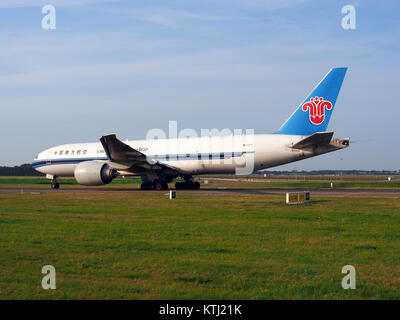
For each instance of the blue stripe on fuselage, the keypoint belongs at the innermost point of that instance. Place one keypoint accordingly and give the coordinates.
(166, 157)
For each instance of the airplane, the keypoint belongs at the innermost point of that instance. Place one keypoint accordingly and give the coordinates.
(159, 161)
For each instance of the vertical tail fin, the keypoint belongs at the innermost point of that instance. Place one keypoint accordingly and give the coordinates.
(315, 111)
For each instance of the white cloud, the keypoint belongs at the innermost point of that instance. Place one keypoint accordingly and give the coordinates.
(247, 63)
(174, 18)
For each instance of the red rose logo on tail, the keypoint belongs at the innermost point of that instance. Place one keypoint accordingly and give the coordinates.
(317, 107)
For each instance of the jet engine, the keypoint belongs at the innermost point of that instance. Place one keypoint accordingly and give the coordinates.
(94, 173)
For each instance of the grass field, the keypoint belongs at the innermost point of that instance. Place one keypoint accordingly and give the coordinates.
(145, 246)
(306, 182)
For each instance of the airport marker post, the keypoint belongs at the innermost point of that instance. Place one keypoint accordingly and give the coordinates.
(302, 197)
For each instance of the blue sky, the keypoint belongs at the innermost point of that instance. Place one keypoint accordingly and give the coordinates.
(126, 67)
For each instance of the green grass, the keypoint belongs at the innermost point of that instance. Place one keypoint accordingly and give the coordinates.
(310, 183)
(42, 182)
(145, 246)
(318, 184)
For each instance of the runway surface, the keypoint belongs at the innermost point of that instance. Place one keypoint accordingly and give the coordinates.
(216, 191)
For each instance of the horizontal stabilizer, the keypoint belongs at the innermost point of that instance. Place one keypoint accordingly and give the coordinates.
(315, 140)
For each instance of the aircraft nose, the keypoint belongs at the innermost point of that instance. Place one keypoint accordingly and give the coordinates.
(36, 163)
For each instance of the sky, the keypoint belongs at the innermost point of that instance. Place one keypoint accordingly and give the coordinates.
(126, 67)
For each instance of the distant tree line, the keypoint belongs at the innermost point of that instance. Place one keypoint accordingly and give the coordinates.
(331, 172)
(22, 170)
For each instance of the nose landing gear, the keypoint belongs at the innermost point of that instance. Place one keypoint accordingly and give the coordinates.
(54, 183)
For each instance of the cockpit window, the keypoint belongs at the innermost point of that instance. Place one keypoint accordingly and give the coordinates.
(78, 152)
(61, 152)
(73, 151)
(84, 151)
(66, 152)
(55, 152)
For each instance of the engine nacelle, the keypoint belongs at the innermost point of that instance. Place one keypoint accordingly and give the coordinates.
(94, 173)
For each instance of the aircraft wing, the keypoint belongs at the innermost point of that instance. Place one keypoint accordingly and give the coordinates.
(120, 153)
(317, 139)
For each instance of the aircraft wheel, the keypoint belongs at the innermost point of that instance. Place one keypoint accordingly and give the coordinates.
(193, 185)
(179, 185)
(164, 186)
(188, 185)
(146, 186)
(55, 185)
(157, 185)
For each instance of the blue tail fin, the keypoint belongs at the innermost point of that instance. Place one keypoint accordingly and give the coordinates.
(314, 113)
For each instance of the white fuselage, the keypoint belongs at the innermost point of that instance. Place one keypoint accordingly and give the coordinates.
(194, 156)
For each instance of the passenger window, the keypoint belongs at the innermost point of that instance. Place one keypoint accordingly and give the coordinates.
(61, 152)
(66, 152)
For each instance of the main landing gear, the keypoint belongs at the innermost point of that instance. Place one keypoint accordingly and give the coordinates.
(188, 184)
(54, 183)
(155, 185)
(158, 185)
